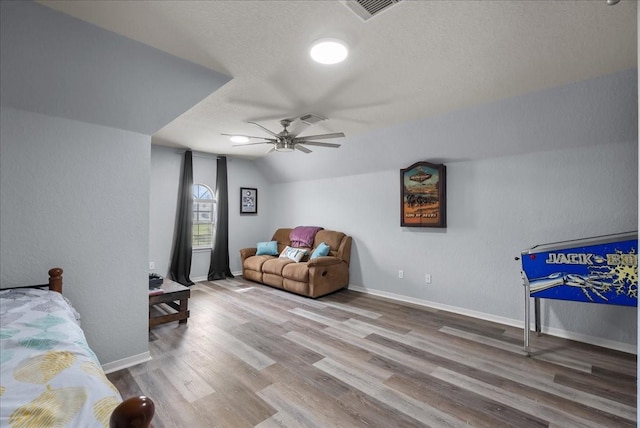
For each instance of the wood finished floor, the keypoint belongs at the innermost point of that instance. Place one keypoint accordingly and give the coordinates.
(254, 356)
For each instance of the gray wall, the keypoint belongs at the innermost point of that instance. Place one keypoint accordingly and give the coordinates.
(75, 195)
(75, 172)
(583, 182)
(496, 208)
(166, 167)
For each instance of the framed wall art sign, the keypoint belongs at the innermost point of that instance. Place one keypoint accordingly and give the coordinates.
(248, 200)
(423, 196)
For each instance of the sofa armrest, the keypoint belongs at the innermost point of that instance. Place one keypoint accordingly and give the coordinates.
(327, 274)
(324, 261)
(247, 252)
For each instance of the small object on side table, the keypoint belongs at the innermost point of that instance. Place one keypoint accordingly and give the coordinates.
(155, 280)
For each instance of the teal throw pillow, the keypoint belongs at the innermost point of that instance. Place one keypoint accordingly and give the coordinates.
(267, 248)
(320, 251)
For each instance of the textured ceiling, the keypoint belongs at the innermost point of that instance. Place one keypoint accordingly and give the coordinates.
(415, 60)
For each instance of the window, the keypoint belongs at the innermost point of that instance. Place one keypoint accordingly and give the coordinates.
(203, 209)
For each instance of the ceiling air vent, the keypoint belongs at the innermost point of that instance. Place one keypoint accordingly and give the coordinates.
(311, 118)
(367, 9)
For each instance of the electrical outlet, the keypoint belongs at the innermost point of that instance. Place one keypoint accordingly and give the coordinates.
(400, 274)
(152, 265)
(427, 278)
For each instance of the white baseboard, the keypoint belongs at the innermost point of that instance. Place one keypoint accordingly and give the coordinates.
(125, 363)
(598, 341)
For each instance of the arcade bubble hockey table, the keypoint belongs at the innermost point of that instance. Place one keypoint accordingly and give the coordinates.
(601, 269)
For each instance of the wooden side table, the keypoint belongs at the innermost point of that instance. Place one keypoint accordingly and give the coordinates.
(175, 296)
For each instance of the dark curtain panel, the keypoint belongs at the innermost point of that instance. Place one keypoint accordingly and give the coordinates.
(219, 267)
(181, 258)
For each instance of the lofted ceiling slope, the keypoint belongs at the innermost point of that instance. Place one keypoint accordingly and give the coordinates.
(418, 59)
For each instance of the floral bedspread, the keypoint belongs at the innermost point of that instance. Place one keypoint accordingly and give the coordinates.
(49, 377)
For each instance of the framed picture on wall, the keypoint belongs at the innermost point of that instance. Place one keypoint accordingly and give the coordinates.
(248, 200)
(423, 195)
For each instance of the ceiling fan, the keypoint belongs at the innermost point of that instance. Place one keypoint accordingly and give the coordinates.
(288, 141)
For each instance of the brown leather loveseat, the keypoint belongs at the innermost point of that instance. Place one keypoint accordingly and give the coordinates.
(313, 278)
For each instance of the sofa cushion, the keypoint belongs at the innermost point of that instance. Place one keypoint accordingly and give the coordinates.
(282, 237)
(331, 238)
(296, 286)
(272, 280)
(256, 262)
(296, 271)
(275, 265)
(267, 248)
(321, 250)
(295, 254)
(252, 275)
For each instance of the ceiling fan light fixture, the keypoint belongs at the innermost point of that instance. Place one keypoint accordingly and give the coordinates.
(239, 139)
(329, 51)
(283, 146)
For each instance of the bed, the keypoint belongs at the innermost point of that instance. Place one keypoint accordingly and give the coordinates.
(49, 377)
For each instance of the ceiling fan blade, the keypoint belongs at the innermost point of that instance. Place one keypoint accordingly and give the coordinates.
(268, 131)
(271, 140)
(318, 143)
(251, 144)
(324, 136)
(301, 122)
(302, 148)
(270, 150)
(249, 136)
(296, 127)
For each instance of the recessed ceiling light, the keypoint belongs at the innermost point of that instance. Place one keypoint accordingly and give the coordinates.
(329, 51)
(239, 139)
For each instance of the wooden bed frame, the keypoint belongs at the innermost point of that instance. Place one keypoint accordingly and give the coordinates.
(133, 412)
